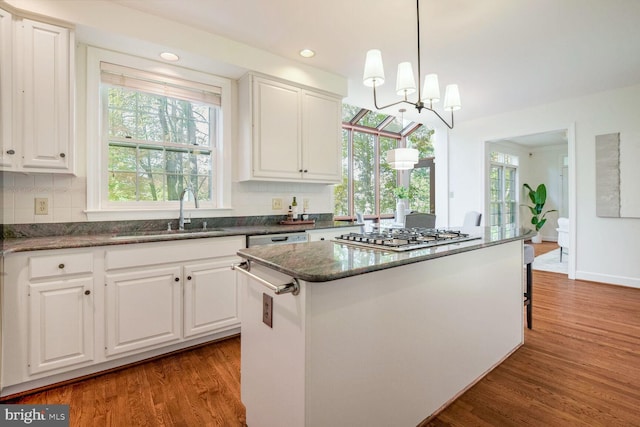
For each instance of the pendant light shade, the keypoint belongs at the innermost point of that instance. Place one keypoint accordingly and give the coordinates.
(405, 83)
(452, 98)
(431, 90)
(402, 158)
(373, 69)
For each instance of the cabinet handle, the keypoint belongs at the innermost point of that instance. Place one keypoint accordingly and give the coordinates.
(60, 266)
(305, 171)
(12, 151)
(63, 155)
(300, 170)
(87, 292)
(188, 277)
(177, 279)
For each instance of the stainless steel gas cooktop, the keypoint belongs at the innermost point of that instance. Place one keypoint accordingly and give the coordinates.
(404, 239)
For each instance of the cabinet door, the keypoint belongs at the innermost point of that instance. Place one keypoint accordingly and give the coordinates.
(142, 309)
(60, 324)
(8, 155)
(322, 141)
(276, 130)
(210, 297)
(45, 82)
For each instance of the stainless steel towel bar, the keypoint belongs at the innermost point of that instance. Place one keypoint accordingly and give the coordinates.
(292, 287)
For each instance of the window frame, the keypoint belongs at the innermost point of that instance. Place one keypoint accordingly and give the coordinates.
(98, 207)
(354, 125)
(504, 166)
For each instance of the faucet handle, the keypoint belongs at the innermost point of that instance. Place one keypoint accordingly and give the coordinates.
(204, 225)
(169, 226)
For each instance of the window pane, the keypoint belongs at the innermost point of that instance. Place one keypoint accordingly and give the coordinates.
(395, 125)
(122, 158)
(420, 190)
(387, 177)
(341, 191)
(421, 141)
(349, 112)
(151, 187)
(122, 186)
(372, 119)
(364, 173)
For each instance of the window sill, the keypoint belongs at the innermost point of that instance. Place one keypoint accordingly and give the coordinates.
(149, 214)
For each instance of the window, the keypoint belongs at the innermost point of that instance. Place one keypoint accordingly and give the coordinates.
(160, 138)
(503, 181)
(368, 181)
(161, 130)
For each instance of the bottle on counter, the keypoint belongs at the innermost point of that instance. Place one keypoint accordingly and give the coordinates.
(290, 214)
(294, 209)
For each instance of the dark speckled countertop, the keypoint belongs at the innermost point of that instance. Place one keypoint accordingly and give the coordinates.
(326, 260)
(80, 235)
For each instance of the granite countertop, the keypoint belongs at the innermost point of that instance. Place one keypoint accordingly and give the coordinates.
(79, 240)
(328, 260)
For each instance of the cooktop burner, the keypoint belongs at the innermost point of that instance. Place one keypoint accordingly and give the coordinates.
(405, 239)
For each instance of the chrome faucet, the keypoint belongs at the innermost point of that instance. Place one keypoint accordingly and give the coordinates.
(181, 220)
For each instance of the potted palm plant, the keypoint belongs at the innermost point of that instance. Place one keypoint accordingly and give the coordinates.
(538, 197)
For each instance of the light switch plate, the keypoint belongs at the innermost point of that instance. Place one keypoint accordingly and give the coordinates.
(276, 204)
(267, 310)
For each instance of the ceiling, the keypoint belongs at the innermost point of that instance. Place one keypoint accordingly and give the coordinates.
(504, 54)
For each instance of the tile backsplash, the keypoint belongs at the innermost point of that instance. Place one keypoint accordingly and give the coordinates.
(66, 196)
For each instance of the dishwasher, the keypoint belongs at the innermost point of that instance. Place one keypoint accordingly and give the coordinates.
(277, 239)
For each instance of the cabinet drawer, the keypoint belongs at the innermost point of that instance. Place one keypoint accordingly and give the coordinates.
(60, 265)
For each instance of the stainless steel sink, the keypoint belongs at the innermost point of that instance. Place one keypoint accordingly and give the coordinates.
(157, 233)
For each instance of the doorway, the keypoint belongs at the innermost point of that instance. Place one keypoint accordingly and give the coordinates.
(545, 157)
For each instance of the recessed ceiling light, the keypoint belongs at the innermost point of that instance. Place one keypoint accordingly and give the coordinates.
(307, 53)
(168, 56)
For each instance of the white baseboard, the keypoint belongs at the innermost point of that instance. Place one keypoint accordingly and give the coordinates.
(632, 282)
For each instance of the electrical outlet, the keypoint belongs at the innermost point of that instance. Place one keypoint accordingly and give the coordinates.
(276, 204)
(305, 204)
(41, 206)
(267, 310)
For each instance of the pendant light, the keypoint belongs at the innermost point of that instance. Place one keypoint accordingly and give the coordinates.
(403, 158)
(406, 85)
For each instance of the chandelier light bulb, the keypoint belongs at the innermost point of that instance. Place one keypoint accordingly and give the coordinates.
(431, 90)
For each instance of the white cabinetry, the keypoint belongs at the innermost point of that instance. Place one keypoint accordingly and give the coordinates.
(210, 297)
(73, 312)
(330, 233)
(6, 89)
(160, 293)
(142, 308)
(41, 98)
(288, 133)
(48, 313)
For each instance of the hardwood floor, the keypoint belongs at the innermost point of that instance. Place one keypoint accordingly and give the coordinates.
(579, 366)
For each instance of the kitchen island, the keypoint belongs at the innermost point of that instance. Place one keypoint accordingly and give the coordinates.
(376, 337)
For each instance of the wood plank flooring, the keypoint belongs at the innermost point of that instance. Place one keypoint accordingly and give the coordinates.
(579, 366)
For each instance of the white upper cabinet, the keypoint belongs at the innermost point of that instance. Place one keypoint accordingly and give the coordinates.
(6, 88)
(288, 133)
(37, 96)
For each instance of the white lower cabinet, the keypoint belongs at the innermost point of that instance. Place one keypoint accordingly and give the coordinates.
(210, 297)
(72, 312)
(142, 309)
(60, 324)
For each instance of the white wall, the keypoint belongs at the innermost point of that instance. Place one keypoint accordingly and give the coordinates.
(606, 249)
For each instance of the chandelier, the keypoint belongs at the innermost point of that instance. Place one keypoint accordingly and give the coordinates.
(406, 85)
